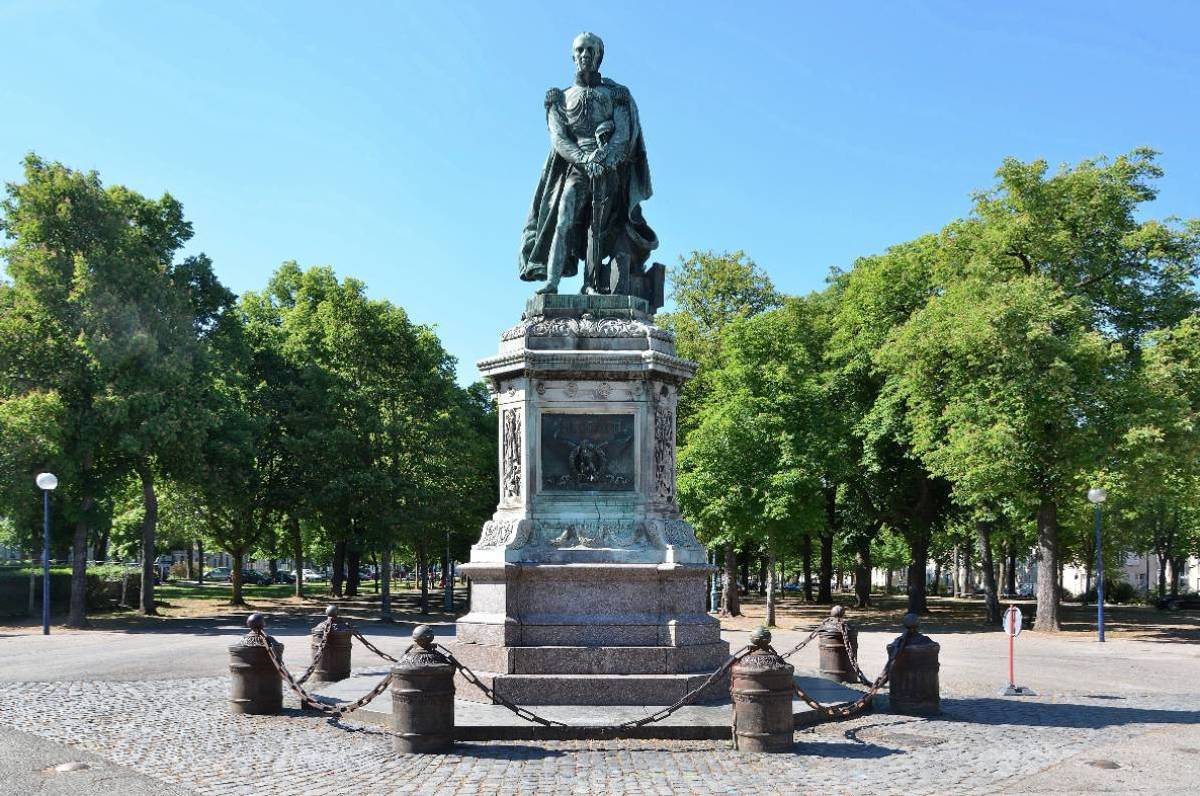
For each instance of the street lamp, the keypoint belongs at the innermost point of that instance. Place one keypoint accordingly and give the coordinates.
(46, 482)
(1097, 496)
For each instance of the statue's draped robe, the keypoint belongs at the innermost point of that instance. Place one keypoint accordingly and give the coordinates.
(633, 188)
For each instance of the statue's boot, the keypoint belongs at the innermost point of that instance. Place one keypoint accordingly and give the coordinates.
(551, 286)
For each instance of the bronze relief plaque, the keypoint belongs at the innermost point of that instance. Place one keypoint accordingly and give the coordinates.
(587, 452)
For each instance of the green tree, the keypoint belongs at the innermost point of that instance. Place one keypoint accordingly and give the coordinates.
(709, 291)
(107, 319)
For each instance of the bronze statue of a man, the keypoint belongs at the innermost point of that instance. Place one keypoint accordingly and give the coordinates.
(587, 203)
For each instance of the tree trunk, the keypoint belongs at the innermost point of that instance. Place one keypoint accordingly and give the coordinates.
(149, 527)
(744, 567)
(353, 569)
(917, 603)
(1176, 567)
(991, 600)
(200, 561)
(824, 585)
(1087, 582)
(762, 574)
(731, 604)
(33, 582)
(297, 540)
(190, 563)
(77, 614)
(1047, 593)
(825, 575)
(273, 566)
(1011, 572)
(1162, 576)
(772, 586)
(102, 547)
(887, 580)
(806, 562)
(936, 589)
(385, 595)
(862, 571)
(423, 567)
(235, 576)
(339, 568)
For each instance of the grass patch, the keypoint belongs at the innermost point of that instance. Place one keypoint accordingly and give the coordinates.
(224, 591)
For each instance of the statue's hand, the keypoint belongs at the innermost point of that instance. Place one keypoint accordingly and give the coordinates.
(593, 168)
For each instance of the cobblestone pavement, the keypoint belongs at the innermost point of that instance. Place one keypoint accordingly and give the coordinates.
(181, 732)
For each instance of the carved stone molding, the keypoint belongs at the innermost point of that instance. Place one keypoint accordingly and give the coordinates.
(675, 532)
(664, 451)
(505, 533)
(586, 326)
(510, 476)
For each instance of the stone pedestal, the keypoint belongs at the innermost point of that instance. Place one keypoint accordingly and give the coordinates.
(587, 587)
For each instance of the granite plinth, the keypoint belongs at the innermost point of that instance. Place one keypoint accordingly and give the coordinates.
(589, 605)
(573, 305)
(587, 586)
(592, 660)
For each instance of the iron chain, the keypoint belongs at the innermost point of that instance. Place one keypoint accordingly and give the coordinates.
(306, 699)
(845, 710)
(325, 627)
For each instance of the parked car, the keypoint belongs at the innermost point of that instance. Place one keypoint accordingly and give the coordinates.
(250, 576)
(218, 575)
(311, 576)
(285, 577)
(1181, 601)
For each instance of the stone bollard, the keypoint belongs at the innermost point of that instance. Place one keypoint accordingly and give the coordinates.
(835, 658)
(761, 691)
(256, 687)
(334, 663)
(422, 698)
(914, 678)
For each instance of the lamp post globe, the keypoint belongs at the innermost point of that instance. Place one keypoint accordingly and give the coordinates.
(46, 482)
(1097, 495)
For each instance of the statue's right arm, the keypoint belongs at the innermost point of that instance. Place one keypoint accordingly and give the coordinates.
(560, 137)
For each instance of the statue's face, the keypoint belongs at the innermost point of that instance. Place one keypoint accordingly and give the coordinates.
(586, 53)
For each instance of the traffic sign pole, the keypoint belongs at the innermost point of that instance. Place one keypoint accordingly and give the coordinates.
(1012, 628)
(1012, 682)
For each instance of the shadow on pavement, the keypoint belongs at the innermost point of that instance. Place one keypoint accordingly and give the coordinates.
(1058, 714)
(844, 751)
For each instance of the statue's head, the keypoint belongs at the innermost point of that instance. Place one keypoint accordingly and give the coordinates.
(587, 51)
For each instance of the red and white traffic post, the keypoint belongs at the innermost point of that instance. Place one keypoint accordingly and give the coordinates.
(1012, 628)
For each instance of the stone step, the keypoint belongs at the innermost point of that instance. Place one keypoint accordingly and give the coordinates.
(593, 689)
(479, 721)
(593, 660)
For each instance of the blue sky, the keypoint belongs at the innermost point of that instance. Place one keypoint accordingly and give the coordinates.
(400, 142)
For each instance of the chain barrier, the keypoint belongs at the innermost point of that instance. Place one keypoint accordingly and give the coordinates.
(840, 710)
(358, 635)
(845, 710)
(852, 654)
(306, 699)
(492, 695)
(806, 641)
(325, 627)
(658, 715)
(690, 696)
